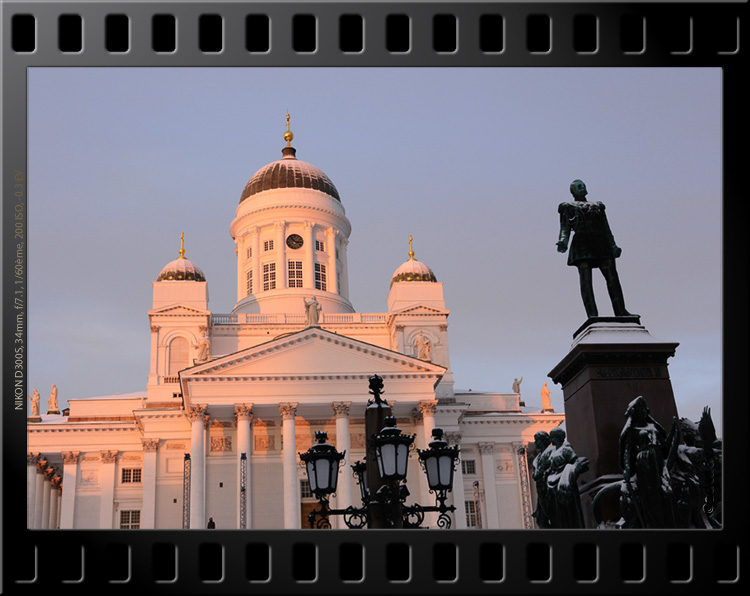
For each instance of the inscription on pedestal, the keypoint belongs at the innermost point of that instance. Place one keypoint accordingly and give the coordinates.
(628, 372)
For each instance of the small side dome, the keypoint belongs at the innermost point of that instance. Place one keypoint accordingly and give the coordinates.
(413, 270)
(181, 269)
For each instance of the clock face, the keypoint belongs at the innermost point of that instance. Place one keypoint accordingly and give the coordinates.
(294, 241)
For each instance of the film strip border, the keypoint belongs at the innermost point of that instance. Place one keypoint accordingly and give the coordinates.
(340, 34)
(369, 34)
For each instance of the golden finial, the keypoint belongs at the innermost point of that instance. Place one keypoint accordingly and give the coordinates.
(288, 135)
(182, 245)
(411, 250)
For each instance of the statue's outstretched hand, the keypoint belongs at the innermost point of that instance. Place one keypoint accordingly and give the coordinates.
(618, 252)
(562, 246)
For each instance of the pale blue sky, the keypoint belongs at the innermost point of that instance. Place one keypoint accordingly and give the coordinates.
(471, 162)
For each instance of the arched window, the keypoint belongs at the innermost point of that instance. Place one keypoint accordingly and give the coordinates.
(178, 355)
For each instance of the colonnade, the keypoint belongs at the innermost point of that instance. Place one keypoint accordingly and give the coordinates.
(49, 506)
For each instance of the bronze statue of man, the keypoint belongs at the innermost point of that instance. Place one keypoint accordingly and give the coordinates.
(593, 247)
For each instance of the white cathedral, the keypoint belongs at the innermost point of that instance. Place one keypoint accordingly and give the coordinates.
(244, 392)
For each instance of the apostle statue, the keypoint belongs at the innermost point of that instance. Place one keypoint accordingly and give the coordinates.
(422, 347)
(546, 400)
(312, 312)
(204, 348)
(562, 483)
(593, 247)
(517, 386)
(34, 403)
(52, 402)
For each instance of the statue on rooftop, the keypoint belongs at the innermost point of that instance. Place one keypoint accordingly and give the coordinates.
(34, 398)
(312, 312)
(204, 347)
(517, 386)
(52, 402)
(593, 247)
(546, 400)
(422, 347)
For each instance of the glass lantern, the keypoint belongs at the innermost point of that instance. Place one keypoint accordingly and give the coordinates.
(392, 450)
(322, 464)
(439, 462)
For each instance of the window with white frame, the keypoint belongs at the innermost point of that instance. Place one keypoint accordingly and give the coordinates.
(304, 490)
(320, 277)
(320, 245)
(472, 515)
(267, 245)
(269, 276)
(249, 280)
(131, 475)
(250, 252)
(295, 274)
(468, 466)
(130, 520)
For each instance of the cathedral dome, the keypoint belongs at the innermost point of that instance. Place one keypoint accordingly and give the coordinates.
(413, 270)
(289, 172)
(181, 269)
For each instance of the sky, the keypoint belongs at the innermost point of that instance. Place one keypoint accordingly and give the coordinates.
(471, 162)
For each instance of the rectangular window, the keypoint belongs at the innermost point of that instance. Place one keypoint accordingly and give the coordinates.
(268, 245)
(130, 520)
(249, 282)
(250, 252)
(320, 245)
(269, 276)
(468, 466)
(295, 274)
(304, 489)
(320, 277)
(130, 475)
(472, 519)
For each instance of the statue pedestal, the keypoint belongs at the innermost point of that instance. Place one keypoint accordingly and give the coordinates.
(53, 411)
(33, 418)
(612, 361)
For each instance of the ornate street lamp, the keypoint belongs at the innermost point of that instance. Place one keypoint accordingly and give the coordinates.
(382, 492)
(322, 465)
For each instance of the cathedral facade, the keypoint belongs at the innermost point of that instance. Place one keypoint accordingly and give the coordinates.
(232, 398)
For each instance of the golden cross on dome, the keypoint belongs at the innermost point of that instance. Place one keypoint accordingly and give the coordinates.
(411, 250)
(288, 135)
(182, 245)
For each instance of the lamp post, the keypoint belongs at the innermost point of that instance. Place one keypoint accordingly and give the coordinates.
(382, 486)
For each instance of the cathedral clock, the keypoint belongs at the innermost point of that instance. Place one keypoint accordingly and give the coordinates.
(294, 241)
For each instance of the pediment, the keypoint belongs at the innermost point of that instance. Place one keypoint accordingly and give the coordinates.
(311, 354)
(420, 309)
(178, 309)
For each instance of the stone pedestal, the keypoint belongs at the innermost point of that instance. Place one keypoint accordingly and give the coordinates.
(611, 362)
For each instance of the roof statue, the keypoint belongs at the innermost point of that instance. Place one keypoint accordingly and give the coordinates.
(593, 247)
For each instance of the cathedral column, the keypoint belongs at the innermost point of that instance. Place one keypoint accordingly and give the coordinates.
(344, 268)
(148, 509)
(524, 484)
(31, 460)
(308, 264)
(39, 492)
(255, 259)
(291, 488)
(107, 499)
(197, 416)
(53, 502)
(456, 496)
(46, 497)
(70, 477)
(281, 272)
(244, 414)
(344, 493)
(490, 486)
(332, 271)
(154, 372)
